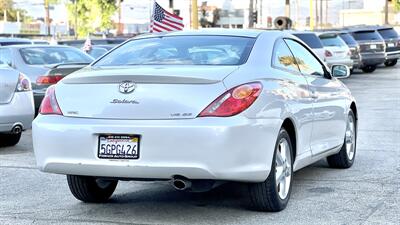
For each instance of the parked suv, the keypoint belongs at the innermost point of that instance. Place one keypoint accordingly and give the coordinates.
(372, 47)
(353, 46)
(336, 50)
(392, 41)
(312, 40)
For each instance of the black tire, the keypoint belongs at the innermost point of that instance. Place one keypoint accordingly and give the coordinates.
(351, 71)
(87, 189)
(9, 139)
(368, 69)
(264, 196)
(391, 62)
(341, 159)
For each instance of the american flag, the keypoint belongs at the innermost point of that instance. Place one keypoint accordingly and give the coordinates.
(164, 21)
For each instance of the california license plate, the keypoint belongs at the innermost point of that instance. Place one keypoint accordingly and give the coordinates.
(390, 44)
(372, 46)
(118, 146)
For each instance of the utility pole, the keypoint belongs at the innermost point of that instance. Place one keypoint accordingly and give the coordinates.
(119, 28)
(316, 14)
(195, 15)
(287, 8)
(251, 9)
(386, 12)
(76, 19)
(311, 15)
(47, 19)
(320, 14)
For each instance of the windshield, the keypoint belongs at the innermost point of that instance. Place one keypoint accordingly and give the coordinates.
(310, 39)
(332, 40)
(181, 50)
(366, 35)
(388, 33)
(53, 55)
(348, 39)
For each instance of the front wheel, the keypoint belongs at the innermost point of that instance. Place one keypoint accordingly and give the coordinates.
(273, 194)
(345, 158)
(9, 139)
(392, 62)
(91, 189)
(368, 69)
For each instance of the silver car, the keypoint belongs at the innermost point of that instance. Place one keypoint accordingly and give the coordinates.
(16, 105)
(336, 50)
(36, 60)
(198, 109)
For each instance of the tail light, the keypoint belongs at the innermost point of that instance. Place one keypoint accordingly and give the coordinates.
(49, 79)
(328, 53)
(24, 84)
(49, 104)
(233, 101)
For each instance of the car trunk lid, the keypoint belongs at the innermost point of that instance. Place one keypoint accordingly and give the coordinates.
(8, 84)
(160, 92)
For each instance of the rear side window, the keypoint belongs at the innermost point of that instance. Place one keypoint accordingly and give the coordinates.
(310, 39)
(181, 50)
(283, 57)
(366, 35)
(388, 33)
(332, 40)
(348, 39)
(14, 43)
(53, 55)
(308, 63)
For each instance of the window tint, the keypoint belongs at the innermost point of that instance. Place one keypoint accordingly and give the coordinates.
(283, 58)
(53, 55)
(332, 40)
(367, 35)
(310, 39)
(307, 62)
(388, 33)
(181, 50)
(5, 56)
(348, 39)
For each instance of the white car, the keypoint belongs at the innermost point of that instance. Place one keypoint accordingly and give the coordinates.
(16, 105)
(312, 40)
(337, 51)
(252, 113)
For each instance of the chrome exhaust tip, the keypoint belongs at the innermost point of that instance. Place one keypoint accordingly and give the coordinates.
(181, 184)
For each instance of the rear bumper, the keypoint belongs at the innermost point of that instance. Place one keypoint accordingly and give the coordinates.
(19, 111)
(392, 55)
(236, 148)
(345, 61)
(372, 59)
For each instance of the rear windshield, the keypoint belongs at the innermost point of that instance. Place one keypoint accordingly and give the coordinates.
(348, 39)
(388, 33)
(366, 35)
(332, 40)
(181, 50)
(53, 55)
(310, 39)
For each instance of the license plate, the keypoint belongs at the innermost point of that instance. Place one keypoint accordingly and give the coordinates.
(390, 44)
(118, 146)
(372, 46)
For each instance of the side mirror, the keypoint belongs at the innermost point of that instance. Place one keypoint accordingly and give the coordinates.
(340, 71)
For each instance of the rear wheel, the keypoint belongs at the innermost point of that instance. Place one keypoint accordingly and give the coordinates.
(345, 158)
(368, 69)
(391, 62)
(273, 194)
(9, 139)
(91, 189)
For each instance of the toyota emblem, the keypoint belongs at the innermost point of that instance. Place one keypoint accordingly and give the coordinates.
(126, 87)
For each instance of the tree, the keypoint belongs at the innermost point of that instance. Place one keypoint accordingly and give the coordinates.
(12, 12)
(92, 15)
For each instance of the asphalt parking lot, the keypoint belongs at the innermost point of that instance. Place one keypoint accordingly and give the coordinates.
(367, 193)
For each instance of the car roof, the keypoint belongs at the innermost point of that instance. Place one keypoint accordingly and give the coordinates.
(360, 28)
(211, 31)
(6, 39)
(301, 32)
(35, 46)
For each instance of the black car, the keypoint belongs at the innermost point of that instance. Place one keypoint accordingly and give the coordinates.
(353, 46)
(372, 47)
(392, 41)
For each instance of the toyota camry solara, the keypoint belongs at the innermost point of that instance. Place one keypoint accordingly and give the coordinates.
(198, 108)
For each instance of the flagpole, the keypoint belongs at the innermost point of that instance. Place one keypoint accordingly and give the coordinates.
(151, 8)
